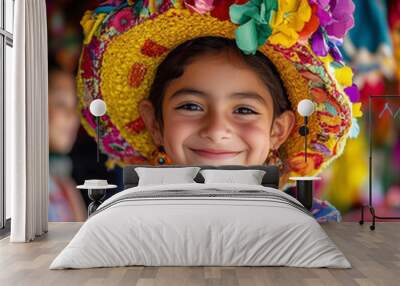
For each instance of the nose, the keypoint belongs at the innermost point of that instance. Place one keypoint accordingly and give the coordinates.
(216, 127)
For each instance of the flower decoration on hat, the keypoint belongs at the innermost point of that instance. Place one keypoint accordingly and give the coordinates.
(336, 18)
(253, 18)
(288, 22)
(126, 40)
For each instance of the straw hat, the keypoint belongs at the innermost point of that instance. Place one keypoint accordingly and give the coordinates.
(125, 41)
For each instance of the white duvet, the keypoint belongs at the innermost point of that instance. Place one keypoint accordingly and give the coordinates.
(190, 230)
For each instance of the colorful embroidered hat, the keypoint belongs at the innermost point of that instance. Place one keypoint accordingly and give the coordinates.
(125, 41)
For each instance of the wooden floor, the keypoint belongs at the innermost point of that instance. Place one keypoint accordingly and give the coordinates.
(374, 255)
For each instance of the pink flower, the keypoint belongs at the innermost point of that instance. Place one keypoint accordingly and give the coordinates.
(123, 20)
(200, 6)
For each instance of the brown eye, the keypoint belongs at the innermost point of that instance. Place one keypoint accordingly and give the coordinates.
(245, 111)
(190, 107)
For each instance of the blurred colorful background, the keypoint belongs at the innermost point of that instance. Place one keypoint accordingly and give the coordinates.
(72, 152)
(372, 48)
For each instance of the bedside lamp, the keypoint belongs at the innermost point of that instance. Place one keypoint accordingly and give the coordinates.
(305, 108)
(97, 108)
(305, 185)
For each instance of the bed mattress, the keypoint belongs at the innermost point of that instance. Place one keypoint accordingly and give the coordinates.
(201, 225)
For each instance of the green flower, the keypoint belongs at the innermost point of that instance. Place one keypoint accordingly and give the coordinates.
(253, 19)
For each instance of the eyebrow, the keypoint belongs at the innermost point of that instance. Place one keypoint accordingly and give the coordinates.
(191, 91)
(249, 94)
(243, 94)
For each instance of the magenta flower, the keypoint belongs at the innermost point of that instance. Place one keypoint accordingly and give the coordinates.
(336, 18)
(353, 93)
(123, 20)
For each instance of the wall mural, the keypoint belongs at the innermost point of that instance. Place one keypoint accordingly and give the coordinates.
(92, 39)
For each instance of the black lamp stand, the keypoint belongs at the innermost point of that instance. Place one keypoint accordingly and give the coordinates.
(303, 131)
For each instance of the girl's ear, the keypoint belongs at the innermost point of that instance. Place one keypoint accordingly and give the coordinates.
(147, 113)
(281, 128)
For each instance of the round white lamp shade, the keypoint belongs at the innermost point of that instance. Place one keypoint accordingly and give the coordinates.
(305, 107)
(98, 107)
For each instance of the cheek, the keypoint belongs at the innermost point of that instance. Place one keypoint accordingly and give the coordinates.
(176, 131)
(256, 136)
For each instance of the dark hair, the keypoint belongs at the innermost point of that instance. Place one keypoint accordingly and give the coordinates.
(172, 67)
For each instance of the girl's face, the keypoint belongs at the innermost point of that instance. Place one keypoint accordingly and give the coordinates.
(218, 112)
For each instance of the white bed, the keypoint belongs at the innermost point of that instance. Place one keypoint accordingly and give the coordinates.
(201, 224)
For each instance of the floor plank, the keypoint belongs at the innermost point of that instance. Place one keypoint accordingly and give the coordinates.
(374, 255)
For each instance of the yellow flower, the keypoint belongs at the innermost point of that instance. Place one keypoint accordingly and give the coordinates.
(356, 109)
(90, 23)
(327, 60)
(289, 21)
(344, 76)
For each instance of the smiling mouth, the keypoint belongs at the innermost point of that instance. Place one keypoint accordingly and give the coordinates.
(215, 154)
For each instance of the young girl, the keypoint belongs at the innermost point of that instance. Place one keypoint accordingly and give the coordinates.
(202, 82)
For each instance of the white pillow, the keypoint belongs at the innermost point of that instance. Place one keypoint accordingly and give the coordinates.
(161, 176)
(248, 177)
